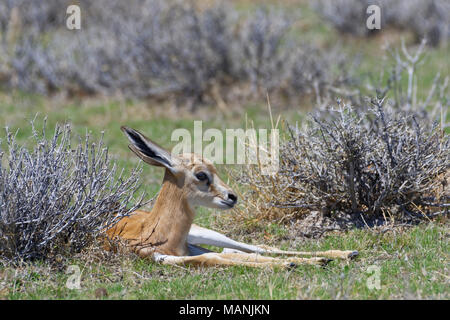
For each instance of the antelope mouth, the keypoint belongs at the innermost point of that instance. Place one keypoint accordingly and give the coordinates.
(227, 204)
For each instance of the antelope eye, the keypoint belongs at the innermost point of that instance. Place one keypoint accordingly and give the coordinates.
(201, 176)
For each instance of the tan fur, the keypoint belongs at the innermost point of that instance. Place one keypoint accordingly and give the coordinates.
(165, 228)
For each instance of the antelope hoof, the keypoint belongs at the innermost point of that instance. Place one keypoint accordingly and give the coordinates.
(353, 254)
(319, 261)
(325, 261)
(291, 265)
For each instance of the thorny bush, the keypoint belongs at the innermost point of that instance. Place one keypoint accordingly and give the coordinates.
(425, 18)
(58, 198)
(377, 164)
(154, 48)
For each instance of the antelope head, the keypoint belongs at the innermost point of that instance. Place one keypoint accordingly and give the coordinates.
(194, 175)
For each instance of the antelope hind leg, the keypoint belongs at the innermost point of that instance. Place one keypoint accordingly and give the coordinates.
(200, 235)
(236, 259)
(255, 257)
(332, 254)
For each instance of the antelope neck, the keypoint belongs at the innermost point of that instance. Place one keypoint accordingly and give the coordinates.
(172, 212)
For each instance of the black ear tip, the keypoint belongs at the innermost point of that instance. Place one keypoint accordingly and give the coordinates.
(125, 129)
(131, 133)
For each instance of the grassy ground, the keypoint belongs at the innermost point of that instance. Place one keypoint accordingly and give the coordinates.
(410, 264)
(413, 262)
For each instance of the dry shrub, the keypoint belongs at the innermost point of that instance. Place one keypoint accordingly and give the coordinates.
(425, 18)
(58, 198)
(154, 48)
(377, 157)
(401, 77)
(377, 164)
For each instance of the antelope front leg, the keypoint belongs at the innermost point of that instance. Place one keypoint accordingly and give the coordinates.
(236, 259)
(200, 235)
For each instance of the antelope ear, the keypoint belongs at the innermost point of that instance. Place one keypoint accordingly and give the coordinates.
(148, 150)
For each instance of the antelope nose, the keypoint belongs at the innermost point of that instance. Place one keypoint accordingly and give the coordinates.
(232, 197)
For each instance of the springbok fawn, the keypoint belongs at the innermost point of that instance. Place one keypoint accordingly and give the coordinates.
(167, 235)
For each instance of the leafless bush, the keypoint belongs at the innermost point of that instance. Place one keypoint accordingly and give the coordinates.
(262, 50)
(364, 161)
(148, 48)
(425, 18)
(45, 16)
(58, 199)
(378, 164)
(347, 16)
(325, 74)
(402, 80)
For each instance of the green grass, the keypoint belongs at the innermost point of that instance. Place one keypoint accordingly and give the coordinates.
(413, 262)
